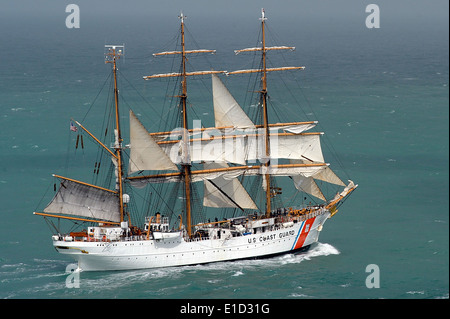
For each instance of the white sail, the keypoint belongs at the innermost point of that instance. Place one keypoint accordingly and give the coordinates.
(227, 111)
(308, 185)
(228, 150)
(221, 192)
(145, 153)
(247, 147)
(79, 199)
(327, 175)
(288, 146)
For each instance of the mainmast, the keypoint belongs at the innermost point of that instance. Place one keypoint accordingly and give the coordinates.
(186, 163)
(114, 53)
(263, 98)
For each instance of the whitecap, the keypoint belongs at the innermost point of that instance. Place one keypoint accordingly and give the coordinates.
(443, 297)
(415, 292)
(296, 295)
(13, 265)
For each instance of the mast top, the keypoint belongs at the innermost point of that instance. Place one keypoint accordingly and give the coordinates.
(263, 15)
(113, 51)
(182, 17)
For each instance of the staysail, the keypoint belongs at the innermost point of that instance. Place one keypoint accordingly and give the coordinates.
(227, 111)
(222, 192)
(145, 154)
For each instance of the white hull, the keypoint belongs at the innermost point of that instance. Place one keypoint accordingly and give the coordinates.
(168, 252)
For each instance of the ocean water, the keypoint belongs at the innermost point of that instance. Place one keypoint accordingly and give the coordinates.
(380, 95)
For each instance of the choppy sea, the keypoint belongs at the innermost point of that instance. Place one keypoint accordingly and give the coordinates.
(380, 95)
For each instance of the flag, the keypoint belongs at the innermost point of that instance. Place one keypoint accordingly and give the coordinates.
(73, 128)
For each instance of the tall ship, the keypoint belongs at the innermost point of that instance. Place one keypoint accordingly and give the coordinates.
(230, 170)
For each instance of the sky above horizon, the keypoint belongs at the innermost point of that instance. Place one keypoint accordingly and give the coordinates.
(403, 9)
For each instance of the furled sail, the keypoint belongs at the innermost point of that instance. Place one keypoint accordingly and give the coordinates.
(293, 127)
(145, 153)
(221, 192)
(80, 199)
(297, 128)
(227, 111)
(228, 173)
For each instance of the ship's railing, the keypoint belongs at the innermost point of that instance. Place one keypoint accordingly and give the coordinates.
(103, 239)
(284, 217)
(312, 214)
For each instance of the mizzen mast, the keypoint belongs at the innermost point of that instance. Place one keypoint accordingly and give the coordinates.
(186, 163)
